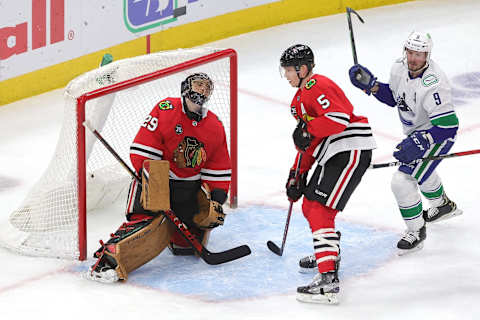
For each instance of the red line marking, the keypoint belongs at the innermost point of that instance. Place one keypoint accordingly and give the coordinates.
(32, 279)
(280, 102)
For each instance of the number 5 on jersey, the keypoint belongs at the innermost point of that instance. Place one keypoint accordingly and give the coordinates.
(324, 102)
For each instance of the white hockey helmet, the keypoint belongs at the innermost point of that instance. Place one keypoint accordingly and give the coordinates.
(420, 42)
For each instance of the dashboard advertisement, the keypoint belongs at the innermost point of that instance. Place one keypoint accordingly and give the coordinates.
(35, 34)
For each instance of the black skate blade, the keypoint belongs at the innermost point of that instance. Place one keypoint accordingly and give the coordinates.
(274, 248)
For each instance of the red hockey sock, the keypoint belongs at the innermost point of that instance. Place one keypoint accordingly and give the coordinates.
(325, 240)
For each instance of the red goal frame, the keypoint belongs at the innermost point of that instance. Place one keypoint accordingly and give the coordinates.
(82, 100)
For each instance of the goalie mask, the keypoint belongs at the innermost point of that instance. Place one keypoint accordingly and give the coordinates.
(197, 88)
(420, 42)
(296, 56)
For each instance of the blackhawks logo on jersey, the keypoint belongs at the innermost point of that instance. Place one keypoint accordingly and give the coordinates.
(165, 105)
(189, 153)
(310, 84)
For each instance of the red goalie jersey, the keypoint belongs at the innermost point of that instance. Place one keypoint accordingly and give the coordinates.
(330, 119)
(204, 144)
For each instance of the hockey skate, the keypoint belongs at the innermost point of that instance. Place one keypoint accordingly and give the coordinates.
(412, 241)
(324, 288)
(102, 271)
(448, 209)
(308, 264)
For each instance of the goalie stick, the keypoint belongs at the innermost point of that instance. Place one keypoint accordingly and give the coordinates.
(270, 244)
(212, 258)
(443, 156)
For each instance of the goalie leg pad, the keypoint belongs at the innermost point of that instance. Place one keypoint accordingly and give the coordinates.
(155, 185)
(135, 243)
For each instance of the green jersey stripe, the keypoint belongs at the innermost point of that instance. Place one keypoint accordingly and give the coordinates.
(449, 120)
(426, 162)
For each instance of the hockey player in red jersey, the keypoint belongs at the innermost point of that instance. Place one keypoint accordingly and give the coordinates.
(329, 133)
(192, 139)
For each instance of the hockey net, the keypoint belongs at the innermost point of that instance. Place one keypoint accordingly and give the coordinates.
(83, 175)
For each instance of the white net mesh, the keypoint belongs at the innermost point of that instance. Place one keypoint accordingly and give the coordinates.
(46, 223)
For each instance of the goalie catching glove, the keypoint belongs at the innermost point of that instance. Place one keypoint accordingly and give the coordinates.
(210, 211)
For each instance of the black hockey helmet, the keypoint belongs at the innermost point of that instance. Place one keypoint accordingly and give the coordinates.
(296, 56)
(195, 97)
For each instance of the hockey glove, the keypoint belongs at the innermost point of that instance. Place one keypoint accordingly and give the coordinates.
(413, 147)
(301, 137)
(362, 78)
(210, 211)
(295, 186)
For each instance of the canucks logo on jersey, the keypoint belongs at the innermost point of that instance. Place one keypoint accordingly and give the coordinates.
(402, 105)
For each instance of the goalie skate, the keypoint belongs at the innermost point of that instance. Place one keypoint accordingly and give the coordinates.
(104, 269)
(323, 289)
(412, 241)
(445, 211)
(104, 275)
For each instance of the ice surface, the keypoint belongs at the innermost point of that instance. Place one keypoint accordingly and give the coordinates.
(442, 281)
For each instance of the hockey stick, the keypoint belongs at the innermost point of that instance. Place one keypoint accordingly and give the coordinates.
(352, 40)
(209, 257)
(443, 156)
(272, 246)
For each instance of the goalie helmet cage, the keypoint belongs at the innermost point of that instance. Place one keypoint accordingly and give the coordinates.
(82, 175)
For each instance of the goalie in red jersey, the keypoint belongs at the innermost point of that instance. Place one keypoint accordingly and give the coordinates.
(181, 153)
(329, 133)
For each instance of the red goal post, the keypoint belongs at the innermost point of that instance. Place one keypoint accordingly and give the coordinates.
(82, 100)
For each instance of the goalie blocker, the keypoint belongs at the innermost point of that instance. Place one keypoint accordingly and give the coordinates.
(147, 233)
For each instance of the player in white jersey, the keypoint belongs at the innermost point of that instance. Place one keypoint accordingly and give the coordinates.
(421, 92)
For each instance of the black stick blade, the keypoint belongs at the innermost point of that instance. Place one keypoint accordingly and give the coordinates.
(225, 256)
(274, 248)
